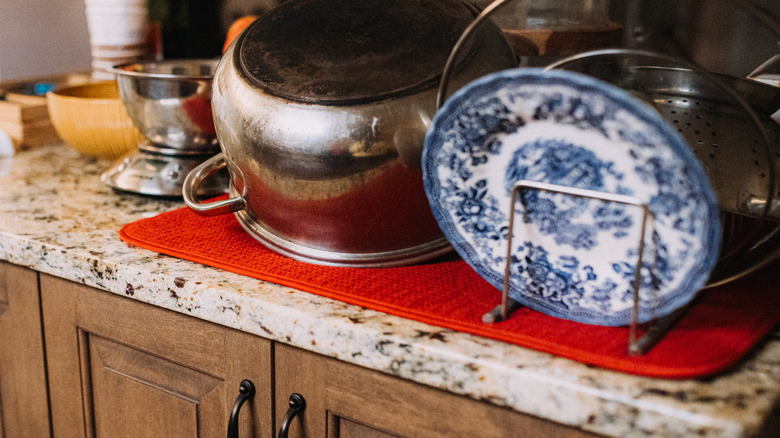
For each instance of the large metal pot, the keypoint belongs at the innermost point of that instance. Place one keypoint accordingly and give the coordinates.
(321, 107)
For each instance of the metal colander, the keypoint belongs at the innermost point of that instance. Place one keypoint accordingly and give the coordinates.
(721, 133)
(728, 124)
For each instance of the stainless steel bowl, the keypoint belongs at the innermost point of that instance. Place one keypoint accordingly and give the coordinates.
(170, 102)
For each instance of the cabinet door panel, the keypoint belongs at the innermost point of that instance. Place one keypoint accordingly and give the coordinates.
(118, 367)
(297, 371)
(350, 429)
(358, 402)
(24, 408)
(158, 397)
(179, 338)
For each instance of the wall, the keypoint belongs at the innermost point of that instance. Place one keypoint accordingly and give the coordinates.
(42, 37)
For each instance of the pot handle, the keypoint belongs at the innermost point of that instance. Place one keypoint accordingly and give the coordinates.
(196, 177)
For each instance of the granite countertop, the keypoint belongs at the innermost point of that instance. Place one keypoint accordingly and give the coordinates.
(58, 218)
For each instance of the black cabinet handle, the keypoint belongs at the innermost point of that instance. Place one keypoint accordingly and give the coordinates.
(297, 405)
(246, 390)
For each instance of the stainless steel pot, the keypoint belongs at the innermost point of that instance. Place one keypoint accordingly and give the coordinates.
(321, 108)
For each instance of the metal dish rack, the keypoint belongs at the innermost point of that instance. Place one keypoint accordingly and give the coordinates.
(749, 243)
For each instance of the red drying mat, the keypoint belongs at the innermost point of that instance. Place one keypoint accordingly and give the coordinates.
(722, 326)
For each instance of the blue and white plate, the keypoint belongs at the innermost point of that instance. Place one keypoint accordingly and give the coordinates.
(572, 257)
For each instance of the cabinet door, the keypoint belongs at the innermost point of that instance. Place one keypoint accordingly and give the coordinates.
(121, 368)
(348, 401)
(24, 408)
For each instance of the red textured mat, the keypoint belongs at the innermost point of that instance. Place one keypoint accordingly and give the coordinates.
(713, 335)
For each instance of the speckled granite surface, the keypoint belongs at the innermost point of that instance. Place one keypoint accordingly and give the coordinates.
(58, 218)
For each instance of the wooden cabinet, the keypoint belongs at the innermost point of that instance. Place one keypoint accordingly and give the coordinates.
(117, 367)
(348, 401)
(121, 368)
(24, 409)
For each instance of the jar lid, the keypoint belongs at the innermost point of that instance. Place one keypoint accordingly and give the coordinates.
(347, 52)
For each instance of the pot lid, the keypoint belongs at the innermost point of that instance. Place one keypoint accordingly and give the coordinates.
(346, 52)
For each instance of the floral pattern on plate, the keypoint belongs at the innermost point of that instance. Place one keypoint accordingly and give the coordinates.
(572, 257)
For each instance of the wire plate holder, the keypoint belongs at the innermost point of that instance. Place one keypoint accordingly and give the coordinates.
(636, 346)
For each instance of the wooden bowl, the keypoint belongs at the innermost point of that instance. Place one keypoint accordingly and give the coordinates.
(92, 119)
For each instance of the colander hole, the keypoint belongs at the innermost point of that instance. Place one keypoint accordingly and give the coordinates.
(685, 100)
(686, 113)
(763, 175)
(687, 123)
(756, 163)
(698, 117)
(707, 124)
(697, 102)
(680, 130)
(699, 142)
(669, 101)
(697, 132)
(676, 121)
(712, 155)
(754, 150)
(714, 134)
(673, 112)
(715, 145)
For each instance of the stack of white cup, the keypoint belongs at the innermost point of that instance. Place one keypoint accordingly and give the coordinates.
(118, 33)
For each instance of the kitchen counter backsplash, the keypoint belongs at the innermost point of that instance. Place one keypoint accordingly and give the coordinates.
(57, 217)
